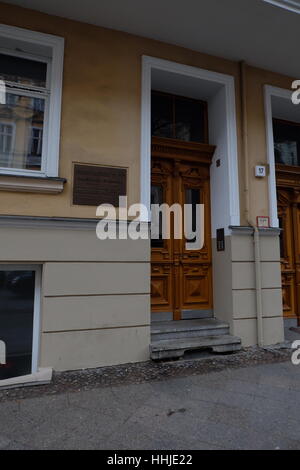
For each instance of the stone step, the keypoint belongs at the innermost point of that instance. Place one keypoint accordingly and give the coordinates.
(176, 348)
(186, 315)
(188, 329)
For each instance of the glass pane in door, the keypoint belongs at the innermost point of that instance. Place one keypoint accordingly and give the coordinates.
(157, 199)
(286, 142)
(189, 119)
(192, 198)
(16, 321)
(281, 239)
(162, 115)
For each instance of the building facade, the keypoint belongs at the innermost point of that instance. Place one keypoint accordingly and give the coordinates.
(76, 125)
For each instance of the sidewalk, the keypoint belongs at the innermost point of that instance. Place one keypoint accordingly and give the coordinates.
(255, 407)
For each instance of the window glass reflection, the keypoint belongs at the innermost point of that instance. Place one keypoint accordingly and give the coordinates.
(286, 143)
(21, 132)
(162, 115)
(178, 117)
(16, 321)
(189, 120)
(23, 71)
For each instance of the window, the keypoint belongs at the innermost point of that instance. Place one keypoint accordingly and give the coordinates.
(179, 118)
(286, 142)
(19, 319)
(31, 68)
(26, 98)
(6, 140)
(35, 148)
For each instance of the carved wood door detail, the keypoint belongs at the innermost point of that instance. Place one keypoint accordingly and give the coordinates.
(288, 200)
(181, 277)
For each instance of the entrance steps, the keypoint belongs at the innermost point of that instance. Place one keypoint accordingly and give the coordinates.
(172, 339)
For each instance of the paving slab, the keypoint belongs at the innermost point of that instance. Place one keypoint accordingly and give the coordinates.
(255, 407)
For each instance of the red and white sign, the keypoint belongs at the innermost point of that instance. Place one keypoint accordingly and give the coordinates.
(263, 221)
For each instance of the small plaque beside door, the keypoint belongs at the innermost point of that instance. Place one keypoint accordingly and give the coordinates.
(94, 185)
(220, 239)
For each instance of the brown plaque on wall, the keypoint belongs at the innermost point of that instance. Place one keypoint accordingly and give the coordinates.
(95, 185)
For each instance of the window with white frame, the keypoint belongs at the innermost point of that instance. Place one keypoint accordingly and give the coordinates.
(31, 69)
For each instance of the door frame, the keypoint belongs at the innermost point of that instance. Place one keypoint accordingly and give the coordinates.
(287, 182)
(222, 108)
(269, 93)
(200, 155)
(36, 309)
(284, 94)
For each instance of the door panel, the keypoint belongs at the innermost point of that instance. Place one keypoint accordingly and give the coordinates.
(162, 250)
(181, 272)
(196, 287)
(289, 221)
(161, 287)
(196, 263)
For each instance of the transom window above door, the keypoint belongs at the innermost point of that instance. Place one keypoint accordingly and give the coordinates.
(286, 142)
(177, 117)
(31, 80)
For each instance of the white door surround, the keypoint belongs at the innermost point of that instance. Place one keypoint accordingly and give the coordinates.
(278, 104)
(219, 91)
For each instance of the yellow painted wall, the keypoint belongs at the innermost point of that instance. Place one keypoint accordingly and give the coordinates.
(101, 107)
(255, 81)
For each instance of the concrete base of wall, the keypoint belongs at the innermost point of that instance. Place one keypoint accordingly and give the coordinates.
(95, 295)
(95, 308)
(234, 285)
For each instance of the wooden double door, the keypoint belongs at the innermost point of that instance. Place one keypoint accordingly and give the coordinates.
(288, 200)
(181, 277)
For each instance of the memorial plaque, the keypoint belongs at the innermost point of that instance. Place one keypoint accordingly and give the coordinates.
(95, 185)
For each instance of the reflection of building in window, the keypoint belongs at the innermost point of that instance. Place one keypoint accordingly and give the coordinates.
(178, 117)
(36, 139)
(286, 142)
(35, 147)
(6, 139)
(24, 112)
(286, 153)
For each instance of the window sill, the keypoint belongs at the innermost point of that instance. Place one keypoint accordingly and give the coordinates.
(42, 377)
(31, 184)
